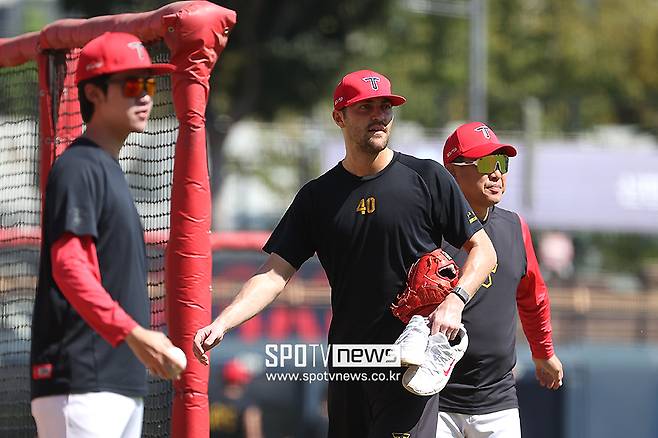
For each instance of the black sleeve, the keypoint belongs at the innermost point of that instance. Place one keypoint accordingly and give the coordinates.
(292, 239)
(74, 199)
(452, 215)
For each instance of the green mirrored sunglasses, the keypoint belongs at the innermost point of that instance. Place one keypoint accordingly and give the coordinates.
(488, 164)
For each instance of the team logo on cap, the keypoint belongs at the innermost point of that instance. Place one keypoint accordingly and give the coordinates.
(484, 130)
(373, 82)
(94, 65)
(137, 46)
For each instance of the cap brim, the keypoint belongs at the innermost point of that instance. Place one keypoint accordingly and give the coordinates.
(487, 149)
(162, 69)
(154, 69)
(394, 98)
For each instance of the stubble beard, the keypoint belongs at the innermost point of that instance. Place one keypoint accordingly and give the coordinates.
(373, 146)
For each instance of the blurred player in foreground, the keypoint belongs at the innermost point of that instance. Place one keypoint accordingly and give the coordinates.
(368, 219)
(480, 397)
(89, 344)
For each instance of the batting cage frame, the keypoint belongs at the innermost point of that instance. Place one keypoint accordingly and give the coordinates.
(194, 33)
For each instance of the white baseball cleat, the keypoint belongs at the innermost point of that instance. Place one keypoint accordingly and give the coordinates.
(440, 359)
(413, 341)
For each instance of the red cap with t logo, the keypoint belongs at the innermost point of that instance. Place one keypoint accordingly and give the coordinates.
(361, 85)
(474, 140)
(115, 52)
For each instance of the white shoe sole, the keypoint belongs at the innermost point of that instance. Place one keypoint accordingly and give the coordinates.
(432, 378)
(414, 381)
(410, 359)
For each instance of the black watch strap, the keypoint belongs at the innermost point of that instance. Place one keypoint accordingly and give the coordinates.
(461, 293)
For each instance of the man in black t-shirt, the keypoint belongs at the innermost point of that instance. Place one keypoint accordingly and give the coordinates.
(479, 400)
(368, 219)
(89, 345)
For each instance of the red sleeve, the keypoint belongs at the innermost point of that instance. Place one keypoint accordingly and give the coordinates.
(533, 303)
(77, 274)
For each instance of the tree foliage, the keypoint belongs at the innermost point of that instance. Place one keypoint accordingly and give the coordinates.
(282, 56)
(588, 61)
(285, 55)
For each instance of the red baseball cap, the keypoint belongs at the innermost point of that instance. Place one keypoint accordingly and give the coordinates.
(236, 372)
(115, 52)
(361, 85)
(474, 140)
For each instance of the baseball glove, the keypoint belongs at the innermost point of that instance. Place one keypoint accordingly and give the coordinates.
(429, 282)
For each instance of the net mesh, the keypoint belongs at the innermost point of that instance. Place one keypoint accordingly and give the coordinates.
(19, 251)
(147, 160)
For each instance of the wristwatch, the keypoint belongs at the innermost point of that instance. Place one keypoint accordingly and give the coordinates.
(461, 293)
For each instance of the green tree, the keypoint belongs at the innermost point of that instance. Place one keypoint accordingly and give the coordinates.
(426, 58)
(588, 61)
(281, 58)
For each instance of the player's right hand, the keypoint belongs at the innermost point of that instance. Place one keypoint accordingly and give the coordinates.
(549, 372)
(151, 348)
(205, 339)
(447, 318)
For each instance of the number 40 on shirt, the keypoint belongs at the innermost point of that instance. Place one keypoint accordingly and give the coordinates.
(366, 205)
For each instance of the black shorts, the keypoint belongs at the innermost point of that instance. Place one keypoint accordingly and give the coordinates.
(360, 409)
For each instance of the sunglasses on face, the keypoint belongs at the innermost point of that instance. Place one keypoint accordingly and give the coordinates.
(488, 164)
(134, 87)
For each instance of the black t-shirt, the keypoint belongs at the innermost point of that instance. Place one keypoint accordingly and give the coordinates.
(367, 232)
(87, 194)
(482, 381)
(227, 416)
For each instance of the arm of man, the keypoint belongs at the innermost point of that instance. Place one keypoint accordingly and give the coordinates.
(259, 291)
(77, 274)
(253, 422)
(535, 315)
(479, 263)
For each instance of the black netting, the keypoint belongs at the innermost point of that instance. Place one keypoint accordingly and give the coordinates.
(147, 160)
(19, 245)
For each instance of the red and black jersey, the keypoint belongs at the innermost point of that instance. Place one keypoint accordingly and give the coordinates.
(89, 215)
(482, 381)
(367, 232)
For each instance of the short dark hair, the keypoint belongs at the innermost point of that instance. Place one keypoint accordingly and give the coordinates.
(86, 107)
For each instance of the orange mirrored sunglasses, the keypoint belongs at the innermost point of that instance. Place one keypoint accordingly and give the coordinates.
(134, 87)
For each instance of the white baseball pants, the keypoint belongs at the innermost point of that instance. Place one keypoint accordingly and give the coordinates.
(88, 415)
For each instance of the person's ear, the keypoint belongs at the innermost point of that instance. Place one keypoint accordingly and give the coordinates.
(93, 93)
(339, 118)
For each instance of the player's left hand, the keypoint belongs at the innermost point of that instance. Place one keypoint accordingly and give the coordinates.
(205, 339)
(447, 318)
(549, 372)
